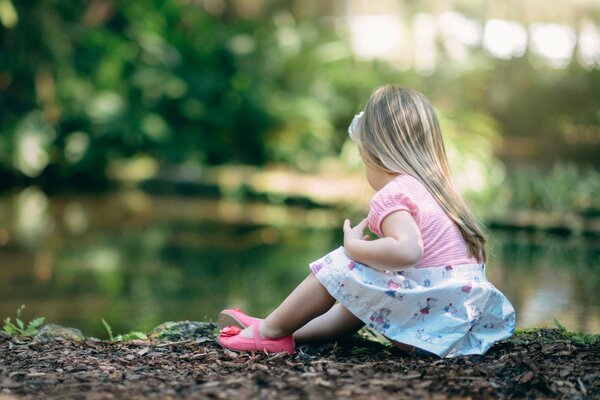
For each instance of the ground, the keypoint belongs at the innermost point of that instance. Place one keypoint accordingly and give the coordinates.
(175, 364)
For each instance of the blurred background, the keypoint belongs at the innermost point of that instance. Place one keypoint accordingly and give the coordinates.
(161, 160)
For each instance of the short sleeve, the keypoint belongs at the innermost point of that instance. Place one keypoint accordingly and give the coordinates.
(386, 202)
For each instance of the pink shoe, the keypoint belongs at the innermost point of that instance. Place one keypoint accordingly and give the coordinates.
(230, 339)
(235, 317)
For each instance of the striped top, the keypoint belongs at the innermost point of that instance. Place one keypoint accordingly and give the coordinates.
(442, 242)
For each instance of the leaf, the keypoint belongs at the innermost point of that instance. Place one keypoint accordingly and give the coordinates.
(578, 340)
(20, 311)
(9, 327)
(560, 326)
(34, 326)
(526, 377)
(108, 329)
(36, 322)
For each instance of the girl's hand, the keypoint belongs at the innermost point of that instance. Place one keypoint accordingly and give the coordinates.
(400, 246)
(356, 233)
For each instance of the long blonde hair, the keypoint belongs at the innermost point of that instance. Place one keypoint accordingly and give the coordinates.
(399, 132)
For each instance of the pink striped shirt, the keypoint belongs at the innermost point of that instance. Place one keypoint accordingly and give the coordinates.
(442, 242)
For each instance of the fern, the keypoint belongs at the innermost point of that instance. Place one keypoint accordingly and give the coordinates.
(133, 335)
(19, 328)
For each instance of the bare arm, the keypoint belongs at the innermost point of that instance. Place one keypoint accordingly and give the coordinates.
(400, 247)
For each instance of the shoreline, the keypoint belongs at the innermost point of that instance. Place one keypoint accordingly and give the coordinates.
(281, 186)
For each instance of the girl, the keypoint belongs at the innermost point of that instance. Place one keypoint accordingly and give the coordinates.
(422, 283)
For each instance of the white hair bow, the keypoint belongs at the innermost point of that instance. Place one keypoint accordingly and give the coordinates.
(353, 128)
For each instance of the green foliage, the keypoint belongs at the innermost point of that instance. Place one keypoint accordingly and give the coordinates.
(171, 330)
(563, 188)
(579, 338)
(133, 335)
(19, 328)
(108, 330)
(175, 84)
(127, 337)
(546, 335)
(89, 89)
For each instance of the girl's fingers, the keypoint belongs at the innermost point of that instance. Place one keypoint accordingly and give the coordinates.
(358, 230)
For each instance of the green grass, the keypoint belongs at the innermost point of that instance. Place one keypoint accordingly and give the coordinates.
(584, 339)
(126, 337)
(551, 335)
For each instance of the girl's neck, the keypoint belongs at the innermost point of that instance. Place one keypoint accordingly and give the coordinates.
(379, 178)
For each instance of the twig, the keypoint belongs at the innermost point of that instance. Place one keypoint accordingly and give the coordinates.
(470, 378)
(174, 343)
(531, 365)
(16, 342)
(192, 356)
(277, 356)
(582, 387)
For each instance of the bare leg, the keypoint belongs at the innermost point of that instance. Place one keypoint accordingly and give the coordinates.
(407, 348)
(309, 300)
(309, 314)
(335, 323)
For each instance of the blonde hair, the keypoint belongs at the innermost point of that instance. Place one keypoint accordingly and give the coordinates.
(399, 132)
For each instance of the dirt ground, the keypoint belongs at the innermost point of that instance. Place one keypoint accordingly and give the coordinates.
(174, 365)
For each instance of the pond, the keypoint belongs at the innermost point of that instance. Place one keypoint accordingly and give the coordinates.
(137, 260)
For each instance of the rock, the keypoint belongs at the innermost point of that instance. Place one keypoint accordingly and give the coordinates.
(183, 330)
(53, 332)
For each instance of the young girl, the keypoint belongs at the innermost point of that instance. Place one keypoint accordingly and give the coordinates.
(422, 282)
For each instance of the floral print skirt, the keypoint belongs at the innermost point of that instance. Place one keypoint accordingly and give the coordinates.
(448, 310)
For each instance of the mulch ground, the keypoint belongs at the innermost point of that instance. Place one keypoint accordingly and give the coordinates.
(541, 364)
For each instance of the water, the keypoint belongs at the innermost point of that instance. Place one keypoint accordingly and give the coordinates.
(138, 260)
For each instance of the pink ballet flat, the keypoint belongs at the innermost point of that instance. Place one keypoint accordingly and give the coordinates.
(230, 339)
(235, 317)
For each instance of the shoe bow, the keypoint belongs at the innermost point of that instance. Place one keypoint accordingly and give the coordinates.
(230, 331)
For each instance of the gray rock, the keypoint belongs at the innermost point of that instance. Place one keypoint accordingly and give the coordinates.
(56, 332)
(183, 330)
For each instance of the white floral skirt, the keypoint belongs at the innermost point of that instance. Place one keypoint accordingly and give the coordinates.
(448, 310)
